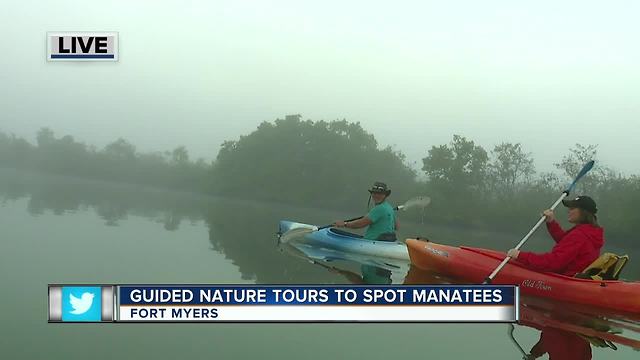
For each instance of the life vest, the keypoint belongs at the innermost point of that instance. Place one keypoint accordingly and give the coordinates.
(606, 267)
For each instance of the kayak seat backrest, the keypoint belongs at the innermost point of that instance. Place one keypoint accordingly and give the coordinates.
(607, 267)
(345, 233)
(614, 271)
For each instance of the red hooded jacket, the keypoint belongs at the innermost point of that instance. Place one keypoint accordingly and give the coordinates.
(575, 249)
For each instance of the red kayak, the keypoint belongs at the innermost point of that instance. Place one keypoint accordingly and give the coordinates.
(474, 264)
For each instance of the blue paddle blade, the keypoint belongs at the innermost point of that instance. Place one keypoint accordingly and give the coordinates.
(585, 169)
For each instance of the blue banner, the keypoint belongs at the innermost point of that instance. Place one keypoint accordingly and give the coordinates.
(148, 295)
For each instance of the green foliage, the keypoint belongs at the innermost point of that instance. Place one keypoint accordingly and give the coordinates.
(510, 166)
(14, 150)
(456, 175)
(572, 163)
(323, 164)
(460, 165)
(119, 161)
(320, 164)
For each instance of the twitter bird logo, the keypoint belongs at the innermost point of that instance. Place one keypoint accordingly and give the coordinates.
(81, 303)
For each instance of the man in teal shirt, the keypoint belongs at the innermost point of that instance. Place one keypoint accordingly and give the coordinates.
(381, 220)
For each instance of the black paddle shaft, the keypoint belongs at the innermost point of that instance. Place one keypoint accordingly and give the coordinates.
(354, 219)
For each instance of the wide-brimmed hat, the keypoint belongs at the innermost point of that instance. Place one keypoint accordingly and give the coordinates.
(582, 202)
(380, 188)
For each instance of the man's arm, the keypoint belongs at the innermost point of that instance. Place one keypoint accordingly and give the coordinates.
(358, 224)
(373, 216)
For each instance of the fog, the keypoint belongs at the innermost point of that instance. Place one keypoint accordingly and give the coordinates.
(196, 73)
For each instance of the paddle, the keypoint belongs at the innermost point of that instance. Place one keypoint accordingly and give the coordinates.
(352, 219)
(583, 172)
(419, 201)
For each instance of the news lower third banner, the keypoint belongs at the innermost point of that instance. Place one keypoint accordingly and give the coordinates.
(282, 303)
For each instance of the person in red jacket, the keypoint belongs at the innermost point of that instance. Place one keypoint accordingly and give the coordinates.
(575, 248)
(560, 345)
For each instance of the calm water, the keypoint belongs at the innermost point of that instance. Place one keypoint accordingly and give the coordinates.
(60, 230)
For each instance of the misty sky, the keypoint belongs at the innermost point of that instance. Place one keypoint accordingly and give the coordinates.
(194, 73)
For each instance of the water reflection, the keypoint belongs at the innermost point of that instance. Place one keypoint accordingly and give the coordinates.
(242, 230)
(111, 202)
(598, 327)
(567, 331)
(356, 269)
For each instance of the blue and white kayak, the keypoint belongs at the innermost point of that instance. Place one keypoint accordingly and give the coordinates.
(339, 240)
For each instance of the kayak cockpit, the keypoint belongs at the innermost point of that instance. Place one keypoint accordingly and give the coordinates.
(499, 256)
(345, 233)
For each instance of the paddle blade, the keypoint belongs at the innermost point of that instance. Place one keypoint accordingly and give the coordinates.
(419, 202)
(585, 169)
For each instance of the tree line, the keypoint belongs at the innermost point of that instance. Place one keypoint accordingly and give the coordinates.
(118, 161)
(330, 164)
